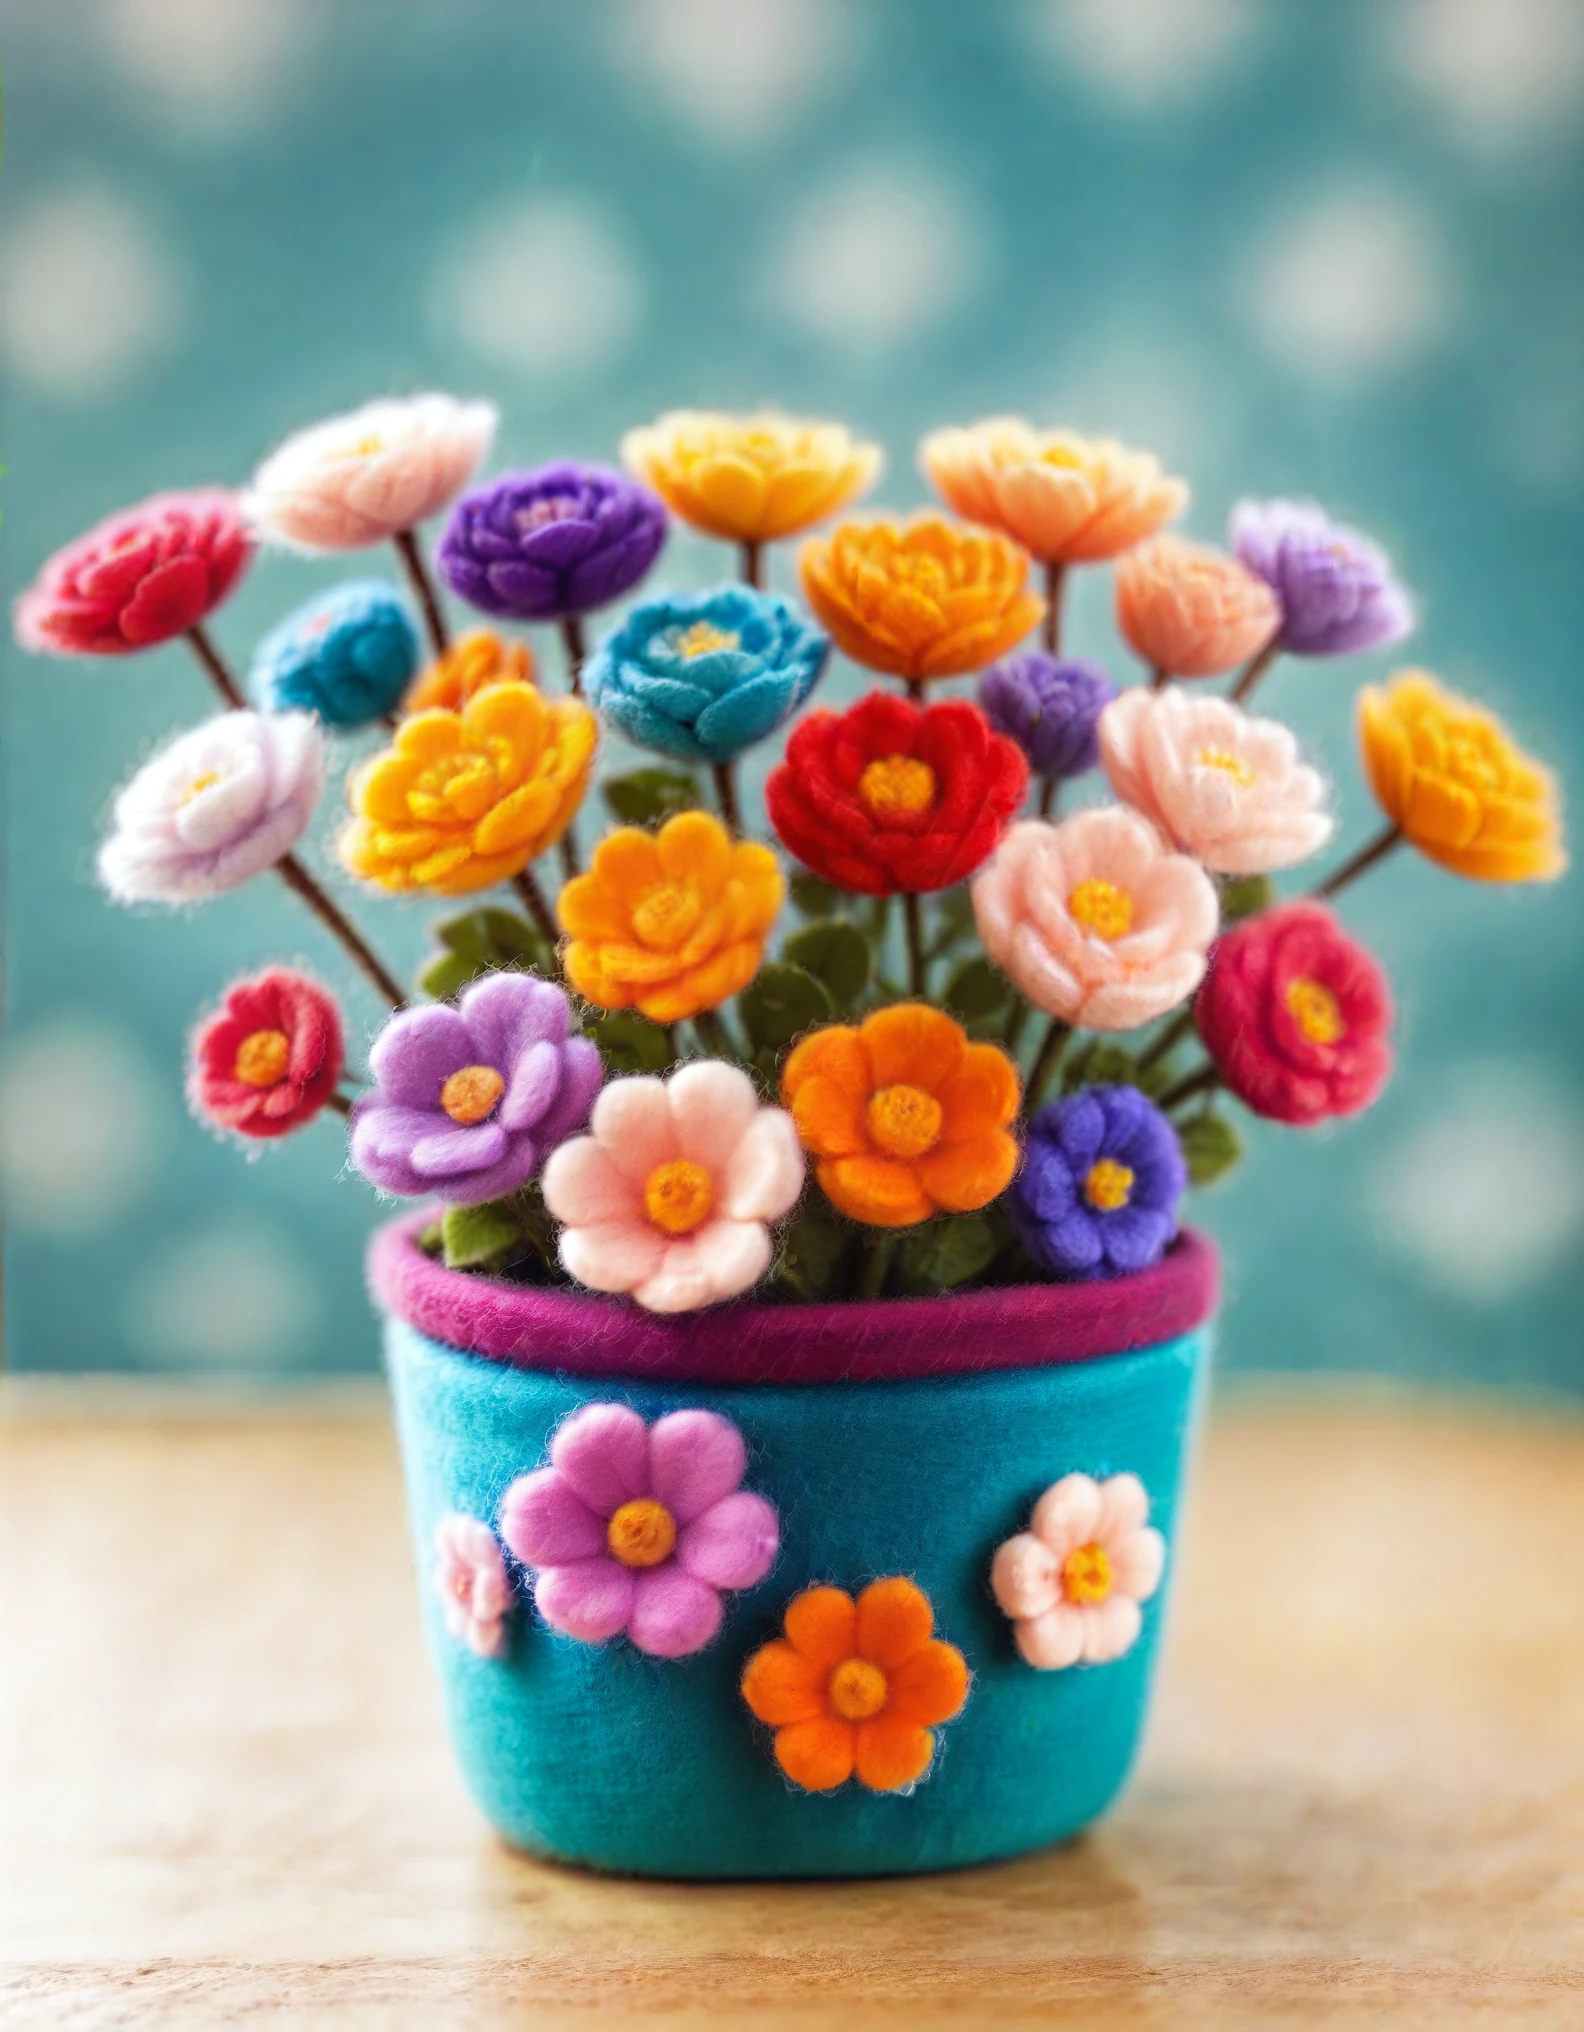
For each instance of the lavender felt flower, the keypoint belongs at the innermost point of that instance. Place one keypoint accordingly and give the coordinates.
(1050, 707)
(470, 1101)
(557, 540)
(1101, 1178)
(1336, 588)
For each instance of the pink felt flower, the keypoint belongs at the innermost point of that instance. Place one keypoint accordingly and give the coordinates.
(668, 1197)
(1094, 920)
(1226, 788)
(1192, 611)
(1072, 1582)
(470, 1579)
(640, 1528)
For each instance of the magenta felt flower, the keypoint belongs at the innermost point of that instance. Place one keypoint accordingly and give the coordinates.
(640, 1528)
(470, 1579)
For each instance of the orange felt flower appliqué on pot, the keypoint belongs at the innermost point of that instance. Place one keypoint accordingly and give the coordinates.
(904, 1116)
(920, 599)
(750, 479)
(857, 1687)
(479, 658)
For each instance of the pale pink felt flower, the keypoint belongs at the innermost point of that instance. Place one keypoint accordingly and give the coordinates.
(1072, 1582)
(1228, 789)
(470, 1579)
(668, 1197)
(1192, 611)
(1094, 920)
(358, 479)
(639, 1528)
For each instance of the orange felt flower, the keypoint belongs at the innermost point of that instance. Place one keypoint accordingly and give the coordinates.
(671, 922)
(1457, 783)
(474, 660)
(925, 598)
(1192, 611)
(750, 479)
(856, 1686)
(905, 1116)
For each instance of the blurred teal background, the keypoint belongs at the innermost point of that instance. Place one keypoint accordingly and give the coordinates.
(1330, 251)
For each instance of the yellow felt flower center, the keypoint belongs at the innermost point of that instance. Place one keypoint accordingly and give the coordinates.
(667, 915)
(895, 786)
(1315, 1010)
(904, 1121)
(1470, 763)
(366, 447)
(1108, 1185)
(924, 573)
(1101, 907)
(1231, 765)
(857, 1689)
(200, 784)
(702, 638)
(642, 1532)
(1086, 1574)
(262, 1059)
(470, 1095)
(678, 1196)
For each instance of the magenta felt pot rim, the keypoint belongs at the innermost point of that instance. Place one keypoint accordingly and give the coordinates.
(861, 1340)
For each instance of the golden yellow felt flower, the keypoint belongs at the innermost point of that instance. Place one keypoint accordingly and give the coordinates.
(474, 660)
(669, 923)
(463, 800)
(750, 479)
(1451, 776)
(920, 599)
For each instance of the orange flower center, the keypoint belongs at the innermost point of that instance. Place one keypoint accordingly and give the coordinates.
(701, 639)
(1108, 1185)
(1086, 1574)
(857, 1689)
(904, 1121)
(642, 1532)
(470, 1095)
(1314, 1009)
(679, 1196)
(897, 786)
(1231, 765)
(458, 787)
(667, 915)
(1100, 907)
(262, 1059)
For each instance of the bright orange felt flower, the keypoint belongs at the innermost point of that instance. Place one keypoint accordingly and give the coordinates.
(750, 479)
(474, 660)
(925, 598)
(856, 1686)
(905, 1116)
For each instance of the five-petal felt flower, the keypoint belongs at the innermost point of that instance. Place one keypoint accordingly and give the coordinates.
(1336, 588)
(551, 541)
(639, 1529)
(920, 599)
(1072, 1583)
(671, 922)
(1451, 776)
(347, 655)
(475, 660)
(857, 1686)
(269, 1058)
(1102, 1174)
(460, 801)
(1191, 611)
(470, 1580)
(906, 1118)
(891, 796)
(750, 479)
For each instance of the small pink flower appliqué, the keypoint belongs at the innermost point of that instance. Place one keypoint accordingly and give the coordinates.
(1072, 1582)
(470, 1579)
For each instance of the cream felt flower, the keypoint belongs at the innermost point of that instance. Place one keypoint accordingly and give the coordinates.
(1072, 1582)
(470, 1579)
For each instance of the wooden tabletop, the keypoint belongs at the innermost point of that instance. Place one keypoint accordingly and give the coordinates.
(225, 1795)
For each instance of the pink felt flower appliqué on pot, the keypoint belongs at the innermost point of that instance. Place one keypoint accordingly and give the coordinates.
(639, 1528)
(1190, 611)
(1072, 1583)
(470, 1579)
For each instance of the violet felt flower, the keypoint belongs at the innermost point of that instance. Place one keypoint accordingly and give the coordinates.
(1336, 588)
(1102, 1174)
(640, 1528)
(468, 1102)
(557, 540)
(1051, 707)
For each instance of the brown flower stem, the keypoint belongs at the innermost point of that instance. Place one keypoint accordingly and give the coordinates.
(527, 887)
(878, 1249)
(711, 1034)
(570, 864)
(1046, 1059)
(390, 721)
(915, 687)
(913, 918)
(296, 877)
(424, 589)
(1055, 580)
(726, 793)
(753, 564)
(1168, 1040)
(1199, 1081)
(1372, 851)
(1050, 790)
(202, 645)
(576, 648)
(342, 1103)
(1159, 678)
(1255, 669)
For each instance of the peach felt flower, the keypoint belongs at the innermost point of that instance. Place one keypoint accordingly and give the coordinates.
(1190, 611)
(1228, 789)
(856, 1686)
(1072, 1582)
(920, 599)
(1093, 920)
(670, 922)
(1068, 499)
(470, 1579)
(474, 660)
(750, 479)
(668, 1197)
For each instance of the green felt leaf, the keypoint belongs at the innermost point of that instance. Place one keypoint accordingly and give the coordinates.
(649, 795)
(976, 990)
(629, 1042)
(814, 897)
(782, 1002)
(1211, 1147)
(1102, 1064)
(447, 974)
(811, 1254)
(475, 1235)
(834, 952)
(948, 1253)
(953, 916)
(484, 942)
(1243, 895)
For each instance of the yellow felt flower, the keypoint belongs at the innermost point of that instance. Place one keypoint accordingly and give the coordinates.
(750, 479)
(479, 658)
(461, 800)
(1451, 776)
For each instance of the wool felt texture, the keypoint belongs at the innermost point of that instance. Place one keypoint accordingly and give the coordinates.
(474, 660)
(1051, 707)
(1336, 588)
(1073, 1582)
(751, 479)
(269, 1058)
(604, 1756)
(471, 1583)
(347, 655)
(1102, 1175)
(1192, 611)
(553, 541)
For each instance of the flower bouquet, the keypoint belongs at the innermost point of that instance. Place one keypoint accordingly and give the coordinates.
(795, 1342)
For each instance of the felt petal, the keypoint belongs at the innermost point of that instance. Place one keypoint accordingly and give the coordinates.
(1053, 1640)
(894, 1620)
(673, 1614)
(781, 1686)
(632, 1120)
(1068, 1514)
(603, 1450)
(453, 1152)
(912, 1044)
(822, 1625)
(1138, 1562)
(1025, 1576)
(719, 1260)
(892, 1753)
(612, 1256)
(1124, 1507)
(929, 1687)
(590, 1599)
(712, 1105)
(696, 1458)
(417, 1052)
(506, 1013)
(817, 1754)
(963, 1176)
(765, 1173)
(582, 1074)
(734, 1543)
(1110, 1628)
(546, 1522)
(533, 1087)
(582, 1186)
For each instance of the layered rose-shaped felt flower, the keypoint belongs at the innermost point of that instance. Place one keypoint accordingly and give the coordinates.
(890, 796)
(1068, 499)
(467, 1102)
(374, 473)
(269, 1058)
(1463, 792)
(475, 660)
(347, 655)
(1336, 588)
(669, 1197)
(1051, 707)
(553, 541)
(1102, 1174)
(669, 923)
(1190, 611)
(460, 801)
(470, 1580)
(1230, 790)
(1072, 1583)
(1095, 920)
(215, 807)
(905, 1117)
(138, 578)
(750, 479)
(920, 599)
(1296, 1016)
(639, 1529)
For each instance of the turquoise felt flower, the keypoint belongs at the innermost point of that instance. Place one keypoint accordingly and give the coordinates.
(704, 675)
(347, 655)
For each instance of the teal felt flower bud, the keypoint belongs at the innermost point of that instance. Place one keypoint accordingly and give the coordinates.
(347, 655)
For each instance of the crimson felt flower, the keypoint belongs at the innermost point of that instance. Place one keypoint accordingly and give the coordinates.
(891, 796)
(1297, 1016)
(269, 1058)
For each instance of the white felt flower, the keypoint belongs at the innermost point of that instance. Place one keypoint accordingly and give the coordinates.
(470, 1579)
(1072, 1582)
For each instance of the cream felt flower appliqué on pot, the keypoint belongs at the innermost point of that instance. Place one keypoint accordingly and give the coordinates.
(1072, 1583)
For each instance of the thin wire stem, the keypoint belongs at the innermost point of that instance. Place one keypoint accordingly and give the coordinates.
(297, 878)
(1199, 1081)
(1159, 678)
(753, 564)
(913, 918)
(340, 1102)
(570, 864)
(1050, 791)
(1055, 581)
(423, 586)
(1372, 851)
(201, 643)
(879, 1248)
(527, 887)
(1168, 1040)
(576, 648)
(726, 793)
(1255, 669)
(1046, 1059)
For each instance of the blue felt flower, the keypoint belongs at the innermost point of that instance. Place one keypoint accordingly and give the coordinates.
(347, 655)
(1102, 1174)
(704, 675)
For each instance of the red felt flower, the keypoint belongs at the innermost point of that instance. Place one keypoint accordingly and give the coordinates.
(1297, 1016)
(891, 796)
(269, 1058)
(139, 578)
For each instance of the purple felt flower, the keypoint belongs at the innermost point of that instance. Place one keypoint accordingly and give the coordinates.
(557, 540)
(470, 1101)
(638, 1528)
(1102, 1174)
(1336, 588)
(1050, 707)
